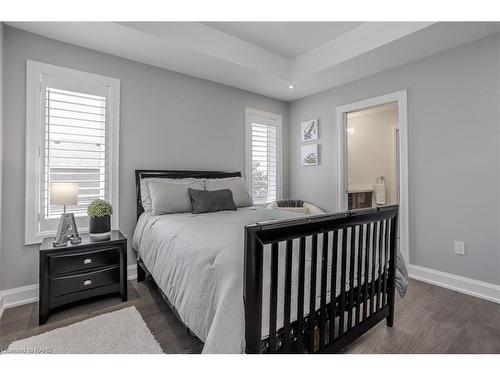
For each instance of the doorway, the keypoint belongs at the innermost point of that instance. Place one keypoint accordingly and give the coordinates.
(373, 157)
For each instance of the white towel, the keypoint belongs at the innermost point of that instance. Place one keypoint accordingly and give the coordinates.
(380, 193)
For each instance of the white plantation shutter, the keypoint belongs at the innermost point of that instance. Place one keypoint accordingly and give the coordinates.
(73, 123)
(263, 157)
(75, 147)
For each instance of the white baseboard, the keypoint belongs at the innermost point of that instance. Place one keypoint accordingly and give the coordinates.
(132, 272)
(18, 296)
(476, 288)
(29, 293)
(491, 292)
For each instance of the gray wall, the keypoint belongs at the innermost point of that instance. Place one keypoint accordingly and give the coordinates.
(454, 154)
(1, 134)
(168, 120)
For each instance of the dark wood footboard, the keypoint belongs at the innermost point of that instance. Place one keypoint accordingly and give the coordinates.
(361, 246)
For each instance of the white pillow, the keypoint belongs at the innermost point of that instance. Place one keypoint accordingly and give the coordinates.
(235, 184)
(145, 195)
(170, 196)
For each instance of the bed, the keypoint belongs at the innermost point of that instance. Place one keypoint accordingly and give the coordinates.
(237, 279)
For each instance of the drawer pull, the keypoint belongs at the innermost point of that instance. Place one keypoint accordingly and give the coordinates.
(87, 282)
(87, 261)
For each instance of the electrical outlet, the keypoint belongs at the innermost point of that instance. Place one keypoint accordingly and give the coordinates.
(459, 247)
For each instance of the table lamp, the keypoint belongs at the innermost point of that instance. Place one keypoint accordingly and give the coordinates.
(65, 193)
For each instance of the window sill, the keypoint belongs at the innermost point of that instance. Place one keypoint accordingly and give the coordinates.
(38, 238)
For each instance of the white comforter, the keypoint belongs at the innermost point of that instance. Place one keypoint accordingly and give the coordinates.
(197, 261)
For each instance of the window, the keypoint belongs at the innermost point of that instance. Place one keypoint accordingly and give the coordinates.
(263, 155)
(72, 136)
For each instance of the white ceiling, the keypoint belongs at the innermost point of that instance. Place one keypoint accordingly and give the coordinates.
(287, 39)
(254, 61)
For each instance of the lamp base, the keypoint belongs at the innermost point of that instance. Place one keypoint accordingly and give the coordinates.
(66, 231)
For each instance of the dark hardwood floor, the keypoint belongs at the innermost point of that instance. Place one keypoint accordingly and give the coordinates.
(22, 321)
(429, 320)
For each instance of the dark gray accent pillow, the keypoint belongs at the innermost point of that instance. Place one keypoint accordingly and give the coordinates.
(211, 201)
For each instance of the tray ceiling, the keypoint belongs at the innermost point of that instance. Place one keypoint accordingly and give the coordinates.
(268, 57)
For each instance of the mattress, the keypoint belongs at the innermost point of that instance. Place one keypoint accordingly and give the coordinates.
(197, 260)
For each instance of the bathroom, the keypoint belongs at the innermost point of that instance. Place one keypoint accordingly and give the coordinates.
(373, 156)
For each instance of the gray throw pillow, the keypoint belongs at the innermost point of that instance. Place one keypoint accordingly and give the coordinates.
(211, 201)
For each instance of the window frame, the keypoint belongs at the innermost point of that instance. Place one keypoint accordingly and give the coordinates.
(35, 140)
(278, 118)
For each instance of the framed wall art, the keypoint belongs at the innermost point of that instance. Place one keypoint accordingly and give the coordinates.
(309, 130)
(310, 154)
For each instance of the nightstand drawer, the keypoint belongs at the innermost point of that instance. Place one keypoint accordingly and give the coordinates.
(66, 263)
(91, 268)
(76, 283)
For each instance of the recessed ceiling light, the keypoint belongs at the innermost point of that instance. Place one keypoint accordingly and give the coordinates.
(291, 87)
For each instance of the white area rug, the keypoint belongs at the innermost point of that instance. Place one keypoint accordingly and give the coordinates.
(119, 332)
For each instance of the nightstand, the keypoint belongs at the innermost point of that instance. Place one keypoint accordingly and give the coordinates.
(75, 272)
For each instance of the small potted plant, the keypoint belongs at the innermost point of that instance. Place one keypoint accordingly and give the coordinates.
(99, 212)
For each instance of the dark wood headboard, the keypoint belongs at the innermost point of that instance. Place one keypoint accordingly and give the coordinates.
(145, 173)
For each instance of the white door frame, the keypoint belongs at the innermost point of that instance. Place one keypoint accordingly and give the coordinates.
(395, 149)
(400, 98)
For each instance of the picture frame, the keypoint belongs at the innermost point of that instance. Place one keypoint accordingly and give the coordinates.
(310, 154)
(309, 130)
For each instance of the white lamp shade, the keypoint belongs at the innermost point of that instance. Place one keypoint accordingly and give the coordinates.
(64, 193)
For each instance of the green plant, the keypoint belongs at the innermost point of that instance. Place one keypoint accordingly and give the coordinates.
(99, 208)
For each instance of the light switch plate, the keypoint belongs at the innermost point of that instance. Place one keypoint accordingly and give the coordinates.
(459, 247)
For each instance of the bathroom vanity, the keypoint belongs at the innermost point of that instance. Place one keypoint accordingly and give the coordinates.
(360, 196)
